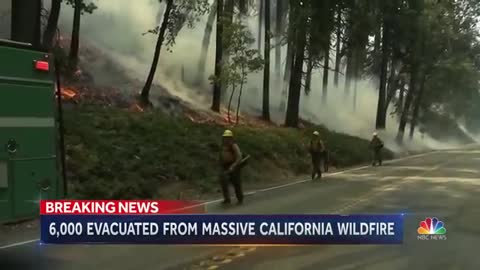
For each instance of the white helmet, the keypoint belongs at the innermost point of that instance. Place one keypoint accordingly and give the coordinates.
(375, 134)
(316, 133)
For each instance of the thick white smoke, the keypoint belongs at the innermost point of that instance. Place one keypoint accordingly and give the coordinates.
(5, 19)
(116, 28)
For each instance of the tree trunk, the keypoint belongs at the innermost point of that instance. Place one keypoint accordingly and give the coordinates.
(390, 95)
(360, 58)
(326, 70)
(377, 49)
(25, 21)
(289, 61)
(52, 24)
(230, 102)
(287, 75)
(292, 115)
(75, 41)
(206, 41)
(349, 47)
(217, 85)
(421, 90)
(308, 78)
(266, 70)
(228, 12)
(261, 13)
(338, 55)
(408, 102)
(278, 39)
(349, 73)
(355, 77)
(312, 53)
(158, 47)
(401, 98)
(406, 110)
(415, 65)
(391, 78)
(381, 108)
(243, 6)
(240, 97)
(392, 87)
(416, 107)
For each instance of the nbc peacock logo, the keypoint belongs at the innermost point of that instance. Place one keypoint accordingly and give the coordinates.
(432, 229)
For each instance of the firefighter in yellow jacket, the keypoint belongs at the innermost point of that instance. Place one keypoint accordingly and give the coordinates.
(317, 151)
(230, 159)
(376, 145)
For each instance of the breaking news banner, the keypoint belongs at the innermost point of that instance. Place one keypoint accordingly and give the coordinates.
(185, 223)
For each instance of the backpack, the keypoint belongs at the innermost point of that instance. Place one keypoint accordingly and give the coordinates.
(317, 146)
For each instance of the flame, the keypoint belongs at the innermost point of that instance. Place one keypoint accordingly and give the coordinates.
(233, 116)
(190, 118)
(138, 108)
(68, 93)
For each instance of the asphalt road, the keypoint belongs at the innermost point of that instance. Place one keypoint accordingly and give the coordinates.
(444, 184)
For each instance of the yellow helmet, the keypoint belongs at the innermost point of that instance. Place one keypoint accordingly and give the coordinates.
(227, 133)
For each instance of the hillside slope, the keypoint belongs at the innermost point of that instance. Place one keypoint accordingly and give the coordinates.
(114, 153)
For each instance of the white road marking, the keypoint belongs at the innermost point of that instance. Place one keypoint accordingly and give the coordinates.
(413, 168)
(17, 244)
(443, 179)
(376, 192)
(467, 171)
(463, 152)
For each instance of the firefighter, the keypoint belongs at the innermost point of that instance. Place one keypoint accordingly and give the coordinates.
(376, 145)
(317, 150)
(230, 159)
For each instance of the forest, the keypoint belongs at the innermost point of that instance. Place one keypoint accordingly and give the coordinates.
(423, 55)
(421, 59)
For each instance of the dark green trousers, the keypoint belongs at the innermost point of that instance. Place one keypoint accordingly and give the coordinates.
(227, 179)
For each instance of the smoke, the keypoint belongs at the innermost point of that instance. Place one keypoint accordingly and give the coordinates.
(116, 29)
(473, 137)
(5, 19)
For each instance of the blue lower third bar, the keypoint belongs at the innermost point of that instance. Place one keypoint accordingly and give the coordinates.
(222, 229)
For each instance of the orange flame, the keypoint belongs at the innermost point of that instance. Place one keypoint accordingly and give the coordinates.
(68, 93)
(138, 108)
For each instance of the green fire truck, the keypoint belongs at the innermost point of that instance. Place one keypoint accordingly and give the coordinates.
(31, 141)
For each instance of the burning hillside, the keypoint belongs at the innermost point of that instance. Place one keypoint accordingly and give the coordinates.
(115, 88)
(111, 97)
(224, 119)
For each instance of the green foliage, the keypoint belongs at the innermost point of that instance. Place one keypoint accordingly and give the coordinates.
(184, 13)
(87, 7)
(243, 60)
(115, 154)
(441, 38)
(450, 58)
